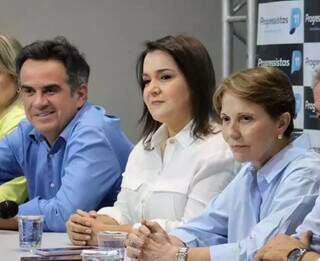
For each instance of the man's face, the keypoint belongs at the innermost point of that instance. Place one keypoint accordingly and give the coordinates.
(47, 98)
(316, 96)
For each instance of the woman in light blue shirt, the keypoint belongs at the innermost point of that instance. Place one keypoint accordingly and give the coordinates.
(305, 245)
(272, 193)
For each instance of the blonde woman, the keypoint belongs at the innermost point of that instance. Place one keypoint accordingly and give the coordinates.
(11, 111)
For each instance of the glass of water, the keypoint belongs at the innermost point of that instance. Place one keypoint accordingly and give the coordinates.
(30, 232)
(112, 241)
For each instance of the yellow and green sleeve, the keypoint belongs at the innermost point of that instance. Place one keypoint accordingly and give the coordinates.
(16, 189)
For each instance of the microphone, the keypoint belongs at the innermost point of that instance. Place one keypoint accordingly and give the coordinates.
(8, 209)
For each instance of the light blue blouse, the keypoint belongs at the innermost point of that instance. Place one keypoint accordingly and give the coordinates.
(254, 208)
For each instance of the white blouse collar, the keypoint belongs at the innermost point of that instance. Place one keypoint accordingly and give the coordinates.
(183, 137)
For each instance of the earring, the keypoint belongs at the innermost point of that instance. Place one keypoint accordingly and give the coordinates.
(280, 137)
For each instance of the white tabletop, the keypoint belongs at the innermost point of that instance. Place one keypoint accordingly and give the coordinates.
(9, 244)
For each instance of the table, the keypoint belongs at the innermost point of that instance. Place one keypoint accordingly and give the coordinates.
(9, 244)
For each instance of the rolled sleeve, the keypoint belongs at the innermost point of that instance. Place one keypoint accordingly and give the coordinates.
(188, 238)
(167, 224)
(113, 212)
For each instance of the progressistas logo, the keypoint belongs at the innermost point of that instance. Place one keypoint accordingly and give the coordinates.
(276, 62)
(296, 61)
(312, 62)
(312, 19)
(309, 106)
(295, 19)
(273, 20)
(298, 99)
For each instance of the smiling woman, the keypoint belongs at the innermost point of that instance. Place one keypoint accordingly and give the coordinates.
(11, 111)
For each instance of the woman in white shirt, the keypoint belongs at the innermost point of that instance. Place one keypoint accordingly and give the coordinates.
(181, 161)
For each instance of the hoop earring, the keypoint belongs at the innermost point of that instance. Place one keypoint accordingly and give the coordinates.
(280, 137)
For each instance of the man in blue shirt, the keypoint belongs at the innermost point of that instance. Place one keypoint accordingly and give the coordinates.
(71, 152)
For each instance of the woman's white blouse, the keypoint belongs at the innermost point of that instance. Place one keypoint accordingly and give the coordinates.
(176, 187)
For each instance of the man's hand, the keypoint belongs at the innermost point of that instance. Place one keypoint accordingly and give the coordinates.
(277, 249)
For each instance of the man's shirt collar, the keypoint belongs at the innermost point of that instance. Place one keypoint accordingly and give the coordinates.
(35, 135)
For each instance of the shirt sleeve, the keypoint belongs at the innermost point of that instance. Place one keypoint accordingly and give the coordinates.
(91, 170)
(14, 190)
(10, 167)
(11, 119)
(312, 223)
(289, 205)
(120, 211)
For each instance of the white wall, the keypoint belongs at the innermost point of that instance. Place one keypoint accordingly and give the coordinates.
(111, 33)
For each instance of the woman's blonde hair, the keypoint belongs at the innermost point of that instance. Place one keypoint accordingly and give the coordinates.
(9, 50)
(267, 86)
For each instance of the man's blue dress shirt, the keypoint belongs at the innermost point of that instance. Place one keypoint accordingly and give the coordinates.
(81, 170)
(312, 223)
(255, 207)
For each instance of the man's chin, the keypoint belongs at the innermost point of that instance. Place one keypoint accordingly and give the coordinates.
(46, 131)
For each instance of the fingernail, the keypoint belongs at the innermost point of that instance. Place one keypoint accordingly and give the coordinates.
(88, 231)
(88, 237)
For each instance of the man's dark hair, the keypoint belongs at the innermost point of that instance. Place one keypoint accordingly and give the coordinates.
(59, 49)
(193, 60)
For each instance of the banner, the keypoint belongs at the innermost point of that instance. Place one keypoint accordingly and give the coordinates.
(289, 38)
